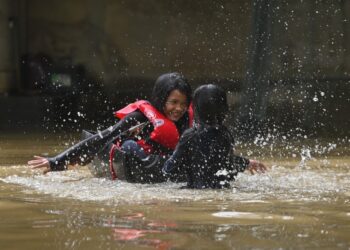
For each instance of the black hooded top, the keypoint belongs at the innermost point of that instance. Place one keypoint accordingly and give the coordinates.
(205, 155)
(205, 152)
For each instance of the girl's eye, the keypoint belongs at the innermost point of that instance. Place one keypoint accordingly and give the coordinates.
(175, 103)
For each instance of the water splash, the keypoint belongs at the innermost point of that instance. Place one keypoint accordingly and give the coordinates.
(305, 156)
(282, 183)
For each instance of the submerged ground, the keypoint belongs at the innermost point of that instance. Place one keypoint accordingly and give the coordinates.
(302, 202)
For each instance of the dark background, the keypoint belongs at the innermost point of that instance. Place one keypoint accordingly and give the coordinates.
(67, 65)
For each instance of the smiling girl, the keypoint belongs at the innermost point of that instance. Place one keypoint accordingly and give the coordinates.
(166, 116)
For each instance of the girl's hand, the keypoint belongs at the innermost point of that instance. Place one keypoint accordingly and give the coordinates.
(40, 162)
(256, 167)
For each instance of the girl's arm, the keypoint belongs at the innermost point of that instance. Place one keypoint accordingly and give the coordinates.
(180, 156)
(241, 164)
(256, 167)
(175, 160)
(84, 151)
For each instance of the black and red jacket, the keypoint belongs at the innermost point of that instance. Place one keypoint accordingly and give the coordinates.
(164, 131)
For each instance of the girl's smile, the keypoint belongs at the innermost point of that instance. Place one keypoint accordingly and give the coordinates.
(175, 106)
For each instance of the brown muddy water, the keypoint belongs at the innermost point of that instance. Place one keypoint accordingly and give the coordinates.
(302, 202)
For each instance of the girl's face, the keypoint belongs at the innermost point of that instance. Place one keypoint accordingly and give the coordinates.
(175, 106)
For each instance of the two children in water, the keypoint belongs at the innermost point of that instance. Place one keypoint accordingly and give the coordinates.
(203, 157)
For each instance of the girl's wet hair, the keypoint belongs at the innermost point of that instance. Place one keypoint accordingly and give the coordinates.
(167, 83)
(210, 104)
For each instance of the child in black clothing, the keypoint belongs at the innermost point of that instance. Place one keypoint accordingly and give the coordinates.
(205, 152)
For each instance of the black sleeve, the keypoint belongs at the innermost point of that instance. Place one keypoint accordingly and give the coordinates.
(84, 151)
(180, 155)
(239, 163)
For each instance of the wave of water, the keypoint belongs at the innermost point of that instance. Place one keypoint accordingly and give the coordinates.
(279, 183)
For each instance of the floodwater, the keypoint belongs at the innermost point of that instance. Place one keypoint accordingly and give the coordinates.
(302, 202)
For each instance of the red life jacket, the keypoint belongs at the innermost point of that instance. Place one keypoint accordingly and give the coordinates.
(165, 132)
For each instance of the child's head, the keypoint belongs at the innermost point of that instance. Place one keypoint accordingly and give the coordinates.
(172, 95)
(210, 104)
